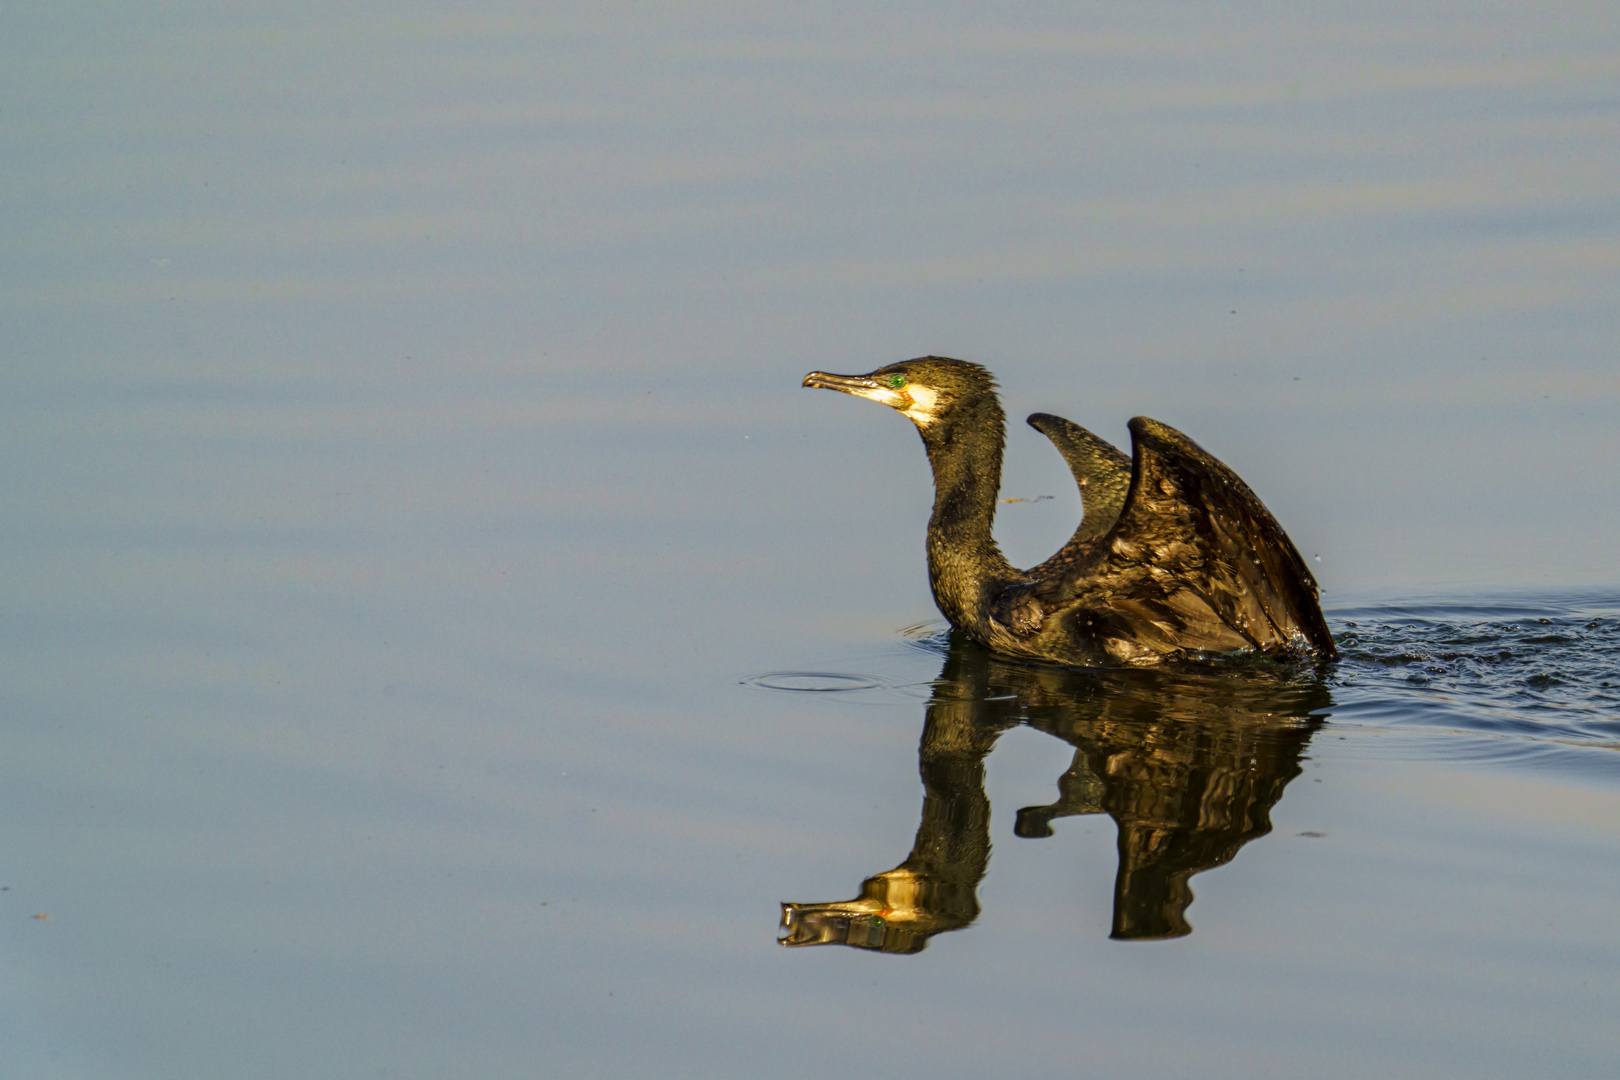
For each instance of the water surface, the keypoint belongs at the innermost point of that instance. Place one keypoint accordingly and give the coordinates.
(417, 551)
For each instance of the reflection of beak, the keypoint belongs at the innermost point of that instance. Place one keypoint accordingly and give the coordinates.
(846, 923)
(897, 912)
(860, 386)
(813, 927)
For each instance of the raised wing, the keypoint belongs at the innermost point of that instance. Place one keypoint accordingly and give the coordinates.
(1194, 562)
(1102, 473)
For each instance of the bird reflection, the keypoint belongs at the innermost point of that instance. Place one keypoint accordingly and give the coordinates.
(1189, 766)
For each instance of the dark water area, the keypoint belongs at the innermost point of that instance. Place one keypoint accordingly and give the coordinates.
(1540, 669)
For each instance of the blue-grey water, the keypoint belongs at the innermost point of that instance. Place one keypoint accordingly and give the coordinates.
(438, 635)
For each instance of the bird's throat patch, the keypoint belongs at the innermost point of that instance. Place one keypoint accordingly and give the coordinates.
(924, 401)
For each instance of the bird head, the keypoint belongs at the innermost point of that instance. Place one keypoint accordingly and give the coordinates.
(924, 390)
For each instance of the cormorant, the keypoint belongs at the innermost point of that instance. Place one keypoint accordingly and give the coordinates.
(1175, 557)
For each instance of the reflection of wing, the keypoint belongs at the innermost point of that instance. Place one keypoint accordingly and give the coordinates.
(1194, 562)
(1101, 471)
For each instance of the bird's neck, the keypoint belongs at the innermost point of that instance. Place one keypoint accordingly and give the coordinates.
(965, 566)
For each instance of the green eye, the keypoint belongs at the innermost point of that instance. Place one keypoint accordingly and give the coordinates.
(897, 381)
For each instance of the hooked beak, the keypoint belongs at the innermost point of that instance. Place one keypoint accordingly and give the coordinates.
(860, 386)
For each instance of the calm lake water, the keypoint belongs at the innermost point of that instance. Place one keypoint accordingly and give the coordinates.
(438, 636)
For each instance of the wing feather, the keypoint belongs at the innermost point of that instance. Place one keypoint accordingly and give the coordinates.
(1103, 475)
(1194, 561)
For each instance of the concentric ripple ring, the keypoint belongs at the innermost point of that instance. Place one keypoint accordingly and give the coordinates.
(813, 682)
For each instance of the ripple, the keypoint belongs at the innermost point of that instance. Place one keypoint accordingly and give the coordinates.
(813, 682)
(1537, 666)
(921, 691)
(930, 637)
